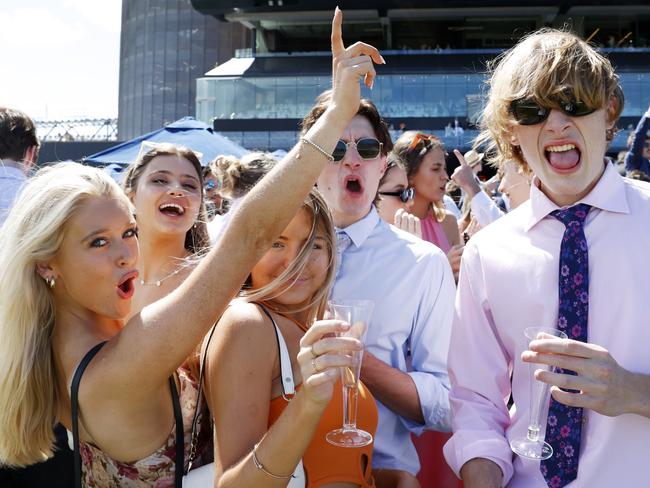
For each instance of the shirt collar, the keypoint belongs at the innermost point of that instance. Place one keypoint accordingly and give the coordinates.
(608, 194)
(14, 169)
(361, 229)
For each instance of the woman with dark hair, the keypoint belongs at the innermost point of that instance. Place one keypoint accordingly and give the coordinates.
(395, 197)
(165, 185)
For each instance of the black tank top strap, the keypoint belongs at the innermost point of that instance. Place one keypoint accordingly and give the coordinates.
(74, 399)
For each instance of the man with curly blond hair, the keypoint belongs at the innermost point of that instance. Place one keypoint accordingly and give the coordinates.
(554, 262)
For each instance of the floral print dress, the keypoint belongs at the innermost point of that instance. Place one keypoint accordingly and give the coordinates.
(157, 469)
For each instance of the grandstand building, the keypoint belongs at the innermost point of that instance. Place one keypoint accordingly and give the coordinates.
(436, 53)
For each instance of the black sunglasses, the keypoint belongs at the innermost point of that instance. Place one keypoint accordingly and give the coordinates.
(528, 112)
(367, 147)
(404, 195)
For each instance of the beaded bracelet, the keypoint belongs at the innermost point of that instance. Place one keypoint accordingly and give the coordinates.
(261, 467)
(320, 149)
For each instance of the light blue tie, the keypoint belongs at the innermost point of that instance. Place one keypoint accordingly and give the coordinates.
(343, 241)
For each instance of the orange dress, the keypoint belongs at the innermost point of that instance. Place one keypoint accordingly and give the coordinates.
(325, 463)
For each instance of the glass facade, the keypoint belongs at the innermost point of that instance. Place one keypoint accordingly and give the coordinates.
(424, 96)
(291, 97)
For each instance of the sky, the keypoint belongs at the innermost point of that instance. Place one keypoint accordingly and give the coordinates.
(60, 58)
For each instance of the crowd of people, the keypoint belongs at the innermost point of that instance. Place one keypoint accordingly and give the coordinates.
(174, 330)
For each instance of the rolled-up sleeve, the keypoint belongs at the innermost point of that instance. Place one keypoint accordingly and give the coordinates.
(430, 345)
(479, 370)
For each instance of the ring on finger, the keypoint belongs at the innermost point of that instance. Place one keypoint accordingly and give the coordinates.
(313, 365)
(313, 354)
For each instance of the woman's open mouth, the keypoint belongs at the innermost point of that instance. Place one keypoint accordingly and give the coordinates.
(126, 286)
(172, 209)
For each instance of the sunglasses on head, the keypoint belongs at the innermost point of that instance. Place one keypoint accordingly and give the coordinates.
(405, 195)
(528, 112)
(427, 139)
(367, 147)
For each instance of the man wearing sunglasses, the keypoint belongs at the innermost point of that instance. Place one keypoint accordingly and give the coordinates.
(638, 157)
(572, 258)
(410, 282)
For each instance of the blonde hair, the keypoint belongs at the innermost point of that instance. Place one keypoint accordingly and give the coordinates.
(546, 66)
(32, 234)
(321, 222)
(412, 156)
(237, 176)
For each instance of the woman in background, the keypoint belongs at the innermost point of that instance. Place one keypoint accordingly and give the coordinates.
(395, 197)
(423, 156)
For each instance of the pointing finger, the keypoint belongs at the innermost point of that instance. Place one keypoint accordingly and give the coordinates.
(337, 34)
(460, 158)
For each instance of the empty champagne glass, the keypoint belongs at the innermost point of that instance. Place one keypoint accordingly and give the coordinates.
(533, 445)
(357, 313)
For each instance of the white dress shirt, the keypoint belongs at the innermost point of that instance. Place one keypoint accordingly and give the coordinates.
(484, 209)
(509, 281)
(413, 289)
(11, 182)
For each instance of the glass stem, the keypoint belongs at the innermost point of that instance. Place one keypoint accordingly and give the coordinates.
(350, 397)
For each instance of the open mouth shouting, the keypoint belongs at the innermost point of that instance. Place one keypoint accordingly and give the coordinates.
(126, 286)
(353, 185)
(172, 209)
(563, 158)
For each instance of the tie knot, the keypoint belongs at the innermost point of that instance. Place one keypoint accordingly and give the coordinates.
(572, 216)
(342, 240)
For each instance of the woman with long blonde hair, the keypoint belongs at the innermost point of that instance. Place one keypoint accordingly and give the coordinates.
(68, 253)
(283, 302)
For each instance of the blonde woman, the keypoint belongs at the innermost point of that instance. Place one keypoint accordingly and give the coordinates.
(68, 254)
(256, 425)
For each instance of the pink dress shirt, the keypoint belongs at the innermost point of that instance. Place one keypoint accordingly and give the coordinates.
(509, 281)
(433, 232)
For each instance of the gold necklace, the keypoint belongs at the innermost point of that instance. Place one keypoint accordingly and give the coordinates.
(158, 282)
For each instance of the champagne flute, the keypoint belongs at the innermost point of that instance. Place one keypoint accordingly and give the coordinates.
(357, 313)
(533, 445)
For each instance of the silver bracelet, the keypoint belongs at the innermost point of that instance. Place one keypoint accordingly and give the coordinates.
(261, 467)
(320, 149)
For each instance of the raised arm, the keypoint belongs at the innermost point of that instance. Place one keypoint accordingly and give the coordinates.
(634, 157)
(155, 342)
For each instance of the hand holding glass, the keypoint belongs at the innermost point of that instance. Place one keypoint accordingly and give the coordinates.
(357, 313)
(533, 446)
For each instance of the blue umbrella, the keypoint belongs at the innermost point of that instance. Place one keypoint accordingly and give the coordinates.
(187, 132)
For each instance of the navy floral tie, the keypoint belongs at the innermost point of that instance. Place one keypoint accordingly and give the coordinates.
(564, 423)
